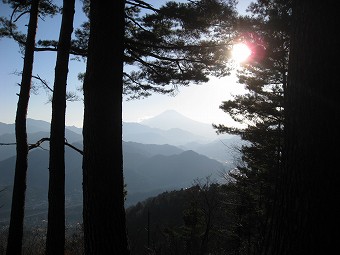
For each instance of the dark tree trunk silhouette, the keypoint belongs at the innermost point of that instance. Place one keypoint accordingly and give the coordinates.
(104, 213)
(55, 242)
(14, 243)
(307, 218)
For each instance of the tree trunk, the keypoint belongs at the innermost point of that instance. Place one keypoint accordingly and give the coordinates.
(14, 243)
(104, 213)
(307, 218)
(55, 242)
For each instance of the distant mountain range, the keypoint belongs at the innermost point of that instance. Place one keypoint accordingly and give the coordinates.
(169, 127)
(155, 160)
(168, 120)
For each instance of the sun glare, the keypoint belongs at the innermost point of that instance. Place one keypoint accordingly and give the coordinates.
(240, 52)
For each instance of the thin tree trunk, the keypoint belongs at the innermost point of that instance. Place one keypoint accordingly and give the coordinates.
(104, 213)
(14, 243)
(307, 218)
(55, 242)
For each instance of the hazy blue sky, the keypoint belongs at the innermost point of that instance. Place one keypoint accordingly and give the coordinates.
(198, 102)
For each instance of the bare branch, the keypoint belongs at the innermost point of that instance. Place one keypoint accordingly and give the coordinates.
(44, 82)
(75, 148)
(20, 15)
(38, 144)
(7, 144)
(11, 24)
(74, 51)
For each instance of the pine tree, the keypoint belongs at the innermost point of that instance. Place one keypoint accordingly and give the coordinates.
(27, 44)
(55, 241)
(15, 233)
(261, 111)
(103, 187)
(306, 218)
(169, 51)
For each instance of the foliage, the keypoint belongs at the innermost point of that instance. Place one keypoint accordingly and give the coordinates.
(177, 44)
(9, 27)
(261, 110)
(197, 220)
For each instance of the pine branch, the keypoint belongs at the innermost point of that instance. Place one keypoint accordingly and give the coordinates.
(142, 4)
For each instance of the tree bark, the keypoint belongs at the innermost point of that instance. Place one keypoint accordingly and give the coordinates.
(14, 243)
(55, 242)
(104, 213)
(307, 218)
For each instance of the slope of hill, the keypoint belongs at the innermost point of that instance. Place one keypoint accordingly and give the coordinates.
(6, 128)
(151, 149)
(148, 170)
(169, 172)
(224, 150)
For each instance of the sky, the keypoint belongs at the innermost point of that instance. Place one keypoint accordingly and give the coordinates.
(197, 102)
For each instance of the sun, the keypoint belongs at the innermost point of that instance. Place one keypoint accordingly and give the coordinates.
(240, 52)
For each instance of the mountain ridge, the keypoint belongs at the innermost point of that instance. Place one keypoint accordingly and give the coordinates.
(161, 123)
(148, 170)
(213, 146)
